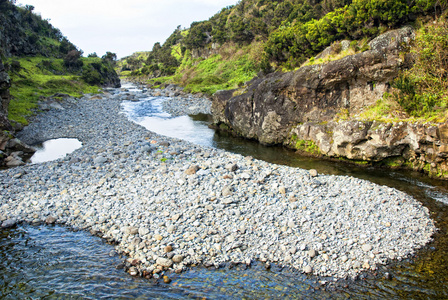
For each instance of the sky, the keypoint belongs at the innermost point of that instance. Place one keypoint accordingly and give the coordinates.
(123, 27)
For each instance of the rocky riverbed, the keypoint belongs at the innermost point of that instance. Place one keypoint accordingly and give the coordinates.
(170, 204)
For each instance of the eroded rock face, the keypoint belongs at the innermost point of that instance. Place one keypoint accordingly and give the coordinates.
(423, 147)
(285, 108)
(5, 83)
(273, 105)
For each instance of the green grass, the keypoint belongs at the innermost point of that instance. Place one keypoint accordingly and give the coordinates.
(387, 110)
(228, 70)
(305, 145)
(176, 51)
(157, 82)
(37, 77)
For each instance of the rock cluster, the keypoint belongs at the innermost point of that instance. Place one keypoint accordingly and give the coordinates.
(169, 204)
(303, 106)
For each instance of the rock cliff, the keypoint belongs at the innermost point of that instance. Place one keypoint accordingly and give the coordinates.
(273, 105)
(5, 83)
(303, 105)
(422, 147)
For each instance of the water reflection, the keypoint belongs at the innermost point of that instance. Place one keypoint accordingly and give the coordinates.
(148, 113)
(54, 149)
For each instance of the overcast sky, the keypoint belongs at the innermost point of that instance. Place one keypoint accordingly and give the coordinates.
(126, 26)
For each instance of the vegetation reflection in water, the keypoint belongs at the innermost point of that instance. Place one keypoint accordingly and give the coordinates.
(55, 263)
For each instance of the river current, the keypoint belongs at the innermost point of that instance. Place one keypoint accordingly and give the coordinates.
(56, 263)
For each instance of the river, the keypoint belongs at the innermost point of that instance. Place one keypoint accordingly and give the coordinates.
(56, 263)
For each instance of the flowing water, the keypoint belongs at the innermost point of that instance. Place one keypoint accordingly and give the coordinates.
(56, 263)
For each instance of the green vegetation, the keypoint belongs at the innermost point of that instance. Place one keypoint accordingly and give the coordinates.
(419, 94)
(338, 53)
(308, 146)
(42, 62)
(422, 91)
(219, 53)
(36, 77)
(293, 43)
(305, 146)
(228, 70)
(26, 33)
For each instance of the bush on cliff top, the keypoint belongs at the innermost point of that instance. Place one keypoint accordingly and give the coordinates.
(424, 88)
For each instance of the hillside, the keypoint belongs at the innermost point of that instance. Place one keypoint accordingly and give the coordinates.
(284, 33)
(41, 61)
(37, 62)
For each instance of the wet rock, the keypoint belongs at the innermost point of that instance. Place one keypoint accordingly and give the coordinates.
(50, 220)
(133, 271)
(164, 262)
(9, 223)
(308, 269)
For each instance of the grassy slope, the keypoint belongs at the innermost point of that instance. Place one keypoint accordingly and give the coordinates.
(229, 69)
(37, 77)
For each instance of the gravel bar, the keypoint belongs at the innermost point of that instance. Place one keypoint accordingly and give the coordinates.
(169, 204)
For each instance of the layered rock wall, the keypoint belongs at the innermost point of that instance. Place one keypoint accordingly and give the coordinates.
(422, 147)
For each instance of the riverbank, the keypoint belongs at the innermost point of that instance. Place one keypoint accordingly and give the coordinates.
(169, 204)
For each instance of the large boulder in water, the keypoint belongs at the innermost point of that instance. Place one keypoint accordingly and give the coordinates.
(272, 105)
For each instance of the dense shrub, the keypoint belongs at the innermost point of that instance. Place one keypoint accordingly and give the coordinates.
(73, 60)
(425, 86)
(292, 44)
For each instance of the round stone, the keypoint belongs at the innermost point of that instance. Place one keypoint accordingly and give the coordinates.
(313, 173)
(312, 253)
(178, 258)
(166, 279)
(307, 269)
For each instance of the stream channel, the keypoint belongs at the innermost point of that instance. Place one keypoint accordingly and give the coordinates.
(53, 262)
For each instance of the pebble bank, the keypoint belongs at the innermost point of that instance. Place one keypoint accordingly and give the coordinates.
(169, 204)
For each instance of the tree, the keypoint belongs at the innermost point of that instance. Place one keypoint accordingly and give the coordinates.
(110, 57)
(65, 47)
(73, 60)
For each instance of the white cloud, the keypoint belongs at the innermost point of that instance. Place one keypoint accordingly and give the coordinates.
(123, 26)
